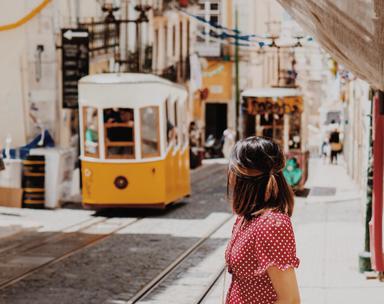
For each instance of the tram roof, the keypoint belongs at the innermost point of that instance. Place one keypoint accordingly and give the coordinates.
(270, 92)
(126, 78)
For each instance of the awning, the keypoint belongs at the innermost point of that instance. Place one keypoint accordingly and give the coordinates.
(351, 31)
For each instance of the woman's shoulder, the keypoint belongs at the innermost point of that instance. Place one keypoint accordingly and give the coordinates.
(272, 219)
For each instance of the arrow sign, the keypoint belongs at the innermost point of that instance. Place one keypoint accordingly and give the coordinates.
(75, 63)
(69, 34)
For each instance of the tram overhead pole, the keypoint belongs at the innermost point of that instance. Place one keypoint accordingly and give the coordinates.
(237, 71)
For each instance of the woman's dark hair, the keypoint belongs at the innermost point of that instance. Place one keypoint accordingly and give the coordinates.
(255, 178)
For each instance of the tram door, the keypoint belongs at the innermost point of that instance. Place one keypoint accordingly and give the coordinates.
(215, 119)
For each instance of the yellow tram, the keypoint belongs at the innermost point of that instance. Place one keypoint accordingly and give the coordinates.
(134, 141)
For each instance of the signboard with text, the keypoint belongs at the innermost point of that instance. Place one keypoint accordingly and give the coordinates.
(75, 63)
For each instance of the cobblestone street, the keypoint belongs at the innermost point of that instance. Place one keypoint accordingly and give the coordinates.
(43, 259)
(45, 254)
(330, 235)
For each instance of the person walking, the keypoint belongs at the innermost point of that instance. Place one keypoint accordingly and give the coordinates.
(261, 255)
(229, 141)
(334, 141)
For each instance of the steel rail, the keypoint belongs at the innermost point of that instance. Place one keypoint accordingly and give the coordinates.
(8, 282)
(210, 286)
(147, 289)
(43, 240)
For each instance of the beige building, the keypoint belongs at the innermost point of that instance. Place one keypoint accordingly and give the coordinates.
(30, 56)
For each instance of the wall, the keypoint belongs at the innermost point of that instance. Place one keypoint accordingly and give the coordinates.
(357, 109)
(25, 86)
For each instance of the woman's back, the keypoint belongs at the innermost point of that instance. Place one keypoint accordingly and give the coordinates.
(257, 244)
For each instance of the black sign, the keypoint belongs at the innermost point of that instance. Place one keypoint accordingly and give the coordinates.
(75, 63)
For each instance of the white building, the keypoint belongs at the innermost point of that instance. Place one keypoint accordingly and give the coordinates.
(30, 57)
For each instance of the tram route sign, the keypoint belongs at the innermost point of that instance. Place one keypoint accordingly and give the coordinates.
(75, 63)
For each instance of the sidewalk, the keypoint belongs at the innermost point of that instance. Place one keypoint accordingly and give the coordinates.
(329, 232)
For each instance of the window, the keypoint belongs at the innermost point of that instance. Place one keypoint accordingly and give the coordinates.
(150, 136)
(157, 47)
(206, 45)
(119, 133)
(176, 115)
(214, 6)
(181, 53)
(214, 19)
(91, 131)
(174, 40)
(168, 125)
(165, 54)
(183, 125)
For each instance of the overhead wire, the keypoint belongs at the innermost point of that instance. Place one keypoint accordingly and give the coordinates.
(26, 18)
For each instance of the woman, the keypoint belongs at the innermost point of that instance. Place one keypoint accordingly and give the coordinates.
(334, 140)
(261, 256)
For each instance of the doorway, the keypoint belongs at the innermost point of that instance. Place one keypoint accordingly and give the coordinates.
(215, 119)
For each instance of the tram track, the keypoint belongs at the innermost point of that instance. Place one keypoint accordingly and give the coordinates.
(201, 299)
(35, 240)
(201, 185)
(161, 277)
(35, 258)
(36, 255)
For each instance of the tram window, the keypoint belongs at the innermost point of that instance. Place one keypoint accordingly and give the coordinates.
(175, 113)
(119, 133)
(91, 131)
(183, 125)
(150, 137)
(168, 125)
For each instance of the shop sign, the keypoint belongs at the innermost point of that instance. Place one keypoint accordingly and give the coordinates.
(75, 63)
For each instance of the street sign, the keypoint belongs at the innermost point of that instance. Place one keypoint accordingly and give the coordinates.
(75, 63)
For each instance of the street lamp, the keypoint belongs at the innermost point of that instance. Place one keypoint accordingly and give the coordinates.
(135, 57)
(142, 10)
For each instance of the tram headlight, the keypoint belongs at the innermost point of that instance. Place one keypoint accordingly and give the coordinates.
(121, 182)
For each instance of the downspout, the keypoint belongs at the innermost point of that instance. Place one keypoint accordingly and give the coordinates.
(376, 224)
(365, 256)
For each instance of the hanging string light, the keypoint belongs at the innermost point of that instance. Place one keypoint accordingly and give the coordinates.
(225, 33)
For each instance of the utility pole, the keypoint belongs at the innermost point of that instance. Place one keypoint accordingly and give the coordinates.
(237, 76)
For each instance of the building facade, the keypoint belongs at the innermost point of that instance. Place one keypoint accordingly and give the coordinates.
(124, 36)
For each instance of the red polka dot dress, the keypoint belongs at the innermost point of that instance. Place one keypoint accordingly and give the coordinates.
(264, 241)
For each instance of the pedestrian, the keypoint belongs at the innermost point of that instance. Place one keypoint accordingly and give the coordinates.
(324, 150)
(229, 140)
(334, 141)
(261, 255)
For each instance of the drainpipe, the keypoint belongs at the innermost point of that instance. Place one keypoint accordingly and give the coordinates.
(365, 256)
(376, 224)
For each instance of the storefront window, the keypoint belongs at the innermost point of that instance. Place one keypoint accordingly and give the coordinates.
(150, 136)
(91, 132)
(119, 133)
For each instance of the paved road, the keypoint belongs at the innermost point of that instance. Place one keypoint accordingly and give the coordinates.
(115, 266)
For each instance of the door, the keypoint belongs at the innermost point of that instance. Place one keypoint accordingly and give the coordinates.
(215, 119)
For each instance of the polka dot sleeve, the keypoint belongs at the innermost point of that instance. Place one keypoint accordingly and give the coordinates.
(275, 245)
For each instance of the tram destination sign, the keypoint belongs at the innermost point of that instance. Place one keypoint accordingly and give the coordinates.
(75, 63)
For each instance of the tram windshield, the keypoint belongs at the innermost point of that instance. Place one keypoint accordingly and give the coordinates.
(91, 133)
(119, 133)
(150, 136)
